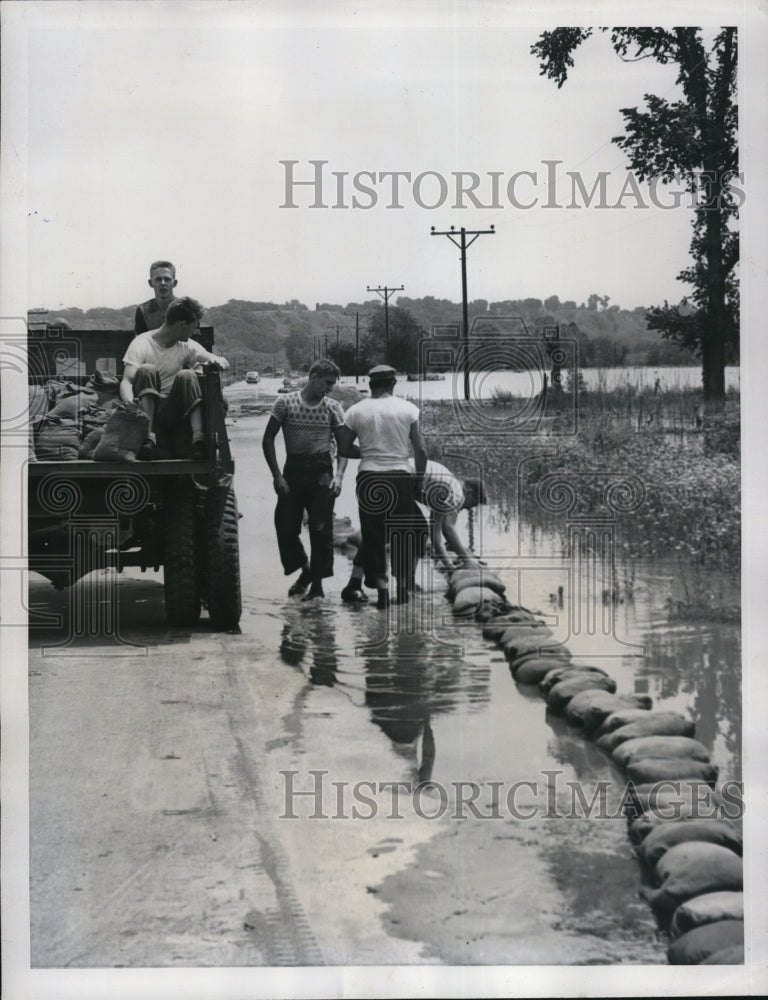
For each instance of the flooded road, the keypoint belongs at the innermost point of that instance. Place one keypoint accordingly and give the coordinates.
(303, 833)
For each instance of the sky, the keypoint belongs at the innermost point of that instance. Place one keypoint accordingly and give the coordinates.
(159, 130)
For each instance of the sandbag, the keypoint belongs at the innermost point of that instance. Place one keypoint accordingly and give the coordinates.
(57, 439)
(125, 431)
(699, 944)
(57, 389)
(469, 601)
(726, 956)
(621, 717)
(678, 769)
(90, 417)
(457, 575)
(666, 835)
(488, 611)
(38, 401)
(603, 704)
(666, 747)
(562, 693)
(532, 669)
(669, 796)
(519, 642)
(664, 807)
(69, 406)
(653, 724)
(105, 385)
(464, 578)
(706, 909)
(515, 630)
(562, 672)
(693, 869)
(90, 443)
(498, 625)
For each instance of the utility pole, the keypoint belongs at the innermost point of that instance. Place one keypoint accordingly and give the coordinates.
(384, 292)
(464, 245)
(357, 347)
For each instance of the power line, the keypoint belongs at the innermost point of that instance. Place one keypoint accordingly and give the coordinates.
(463, 246)
(384, 292)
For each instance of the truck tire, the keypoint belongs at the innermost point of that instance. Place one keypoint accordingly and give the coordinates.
(222, 558)
(181, 578)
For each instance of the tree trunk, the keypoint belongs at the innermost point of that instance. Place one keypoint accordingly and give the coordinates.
(713, 370)
(716, 319)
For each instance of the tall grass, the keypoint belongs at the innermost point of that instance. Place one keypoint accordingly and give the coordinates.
(687, 462)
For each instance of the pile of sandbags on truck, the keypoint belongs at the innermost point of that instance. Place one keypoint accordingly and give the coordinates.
(66, 418)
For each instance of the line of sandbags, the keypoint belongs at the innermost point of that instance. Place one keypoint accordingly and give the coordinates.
(691, 853)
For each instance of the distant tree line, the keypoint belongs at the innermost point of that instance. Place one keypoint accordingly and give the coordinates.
(260, 334)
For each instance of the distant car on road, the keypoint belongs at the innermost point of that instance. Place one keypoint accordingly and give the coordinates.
(252, 377)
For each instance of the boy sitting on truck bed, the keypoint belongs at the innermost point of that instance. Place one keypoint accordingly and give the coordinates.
(159, 373)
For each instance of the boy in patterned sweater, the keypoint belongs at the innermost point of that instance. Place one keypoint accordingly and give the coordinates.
(310, 422)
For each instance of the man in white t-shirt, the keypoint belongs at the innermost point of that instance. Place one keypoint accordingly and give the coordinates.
(160, 373)
(386, 427)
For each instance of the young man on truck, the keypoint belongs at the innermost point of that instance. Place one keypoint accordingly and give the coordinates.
(162, 280)
(160, 374)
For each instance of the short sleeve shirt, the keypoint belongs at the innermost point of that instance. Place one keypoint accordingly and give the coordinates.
(383, 428)
(443, 492)
(308, 430)
(169, 361)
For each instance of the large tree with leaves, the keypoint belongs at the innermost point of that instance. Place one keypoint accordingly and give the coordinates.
(692, 141)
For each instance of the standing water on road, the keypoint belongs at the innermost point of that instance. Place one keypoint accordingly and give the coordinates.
(497, 863)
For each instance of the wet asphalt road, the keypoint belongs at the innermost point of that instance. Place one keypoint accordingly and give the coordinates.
(156, 832)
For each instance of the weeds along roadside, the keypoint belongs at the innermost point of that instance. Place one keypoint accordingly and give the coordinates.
(688, 464)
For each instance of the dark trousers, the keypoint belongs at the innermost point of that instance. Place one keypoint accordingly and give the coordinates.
(309, 480)
(389, 516)
(172, 411)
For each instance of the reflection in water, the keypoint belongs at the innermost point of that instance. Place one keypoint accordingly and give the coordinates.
(325, 664)
(397, 690)
(408, 680)
(309, 630)
(694, 669)
(699, 667)
(293, 642)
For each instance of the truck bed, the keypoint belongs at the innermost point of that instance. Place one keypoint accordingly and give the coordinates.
(87, 467)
